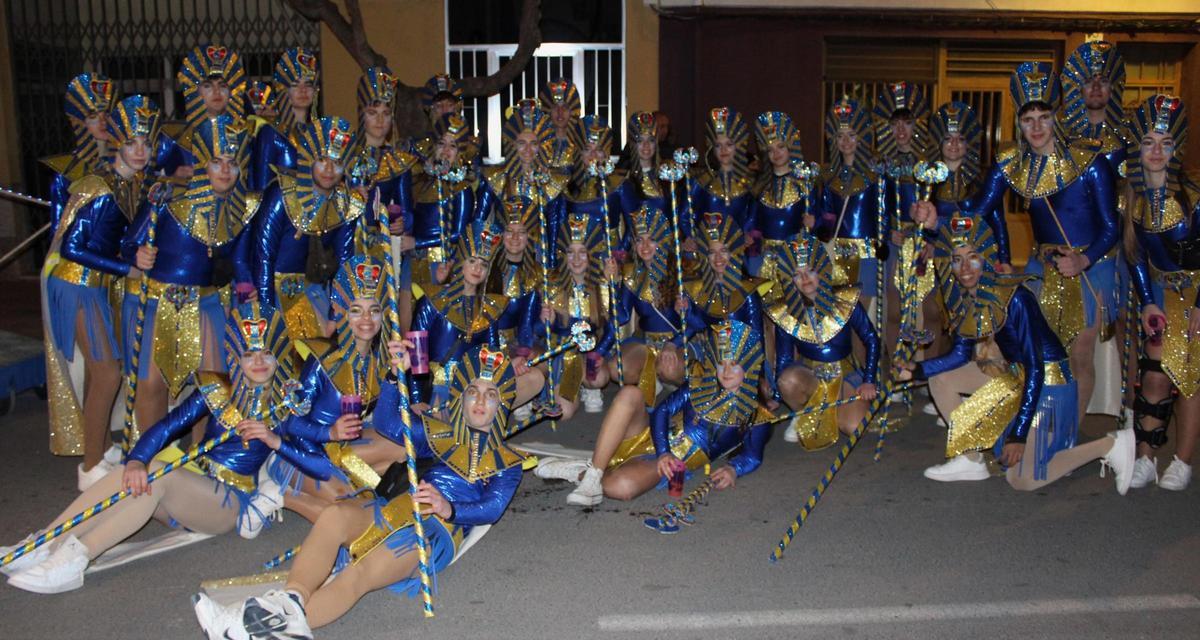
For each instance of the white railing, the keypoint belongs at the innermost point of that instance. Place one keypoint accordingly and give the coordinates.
(598, 71)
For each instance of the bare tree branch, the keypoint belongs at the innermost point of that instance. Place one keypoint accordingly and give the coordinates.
(529, 38)
(350, 32)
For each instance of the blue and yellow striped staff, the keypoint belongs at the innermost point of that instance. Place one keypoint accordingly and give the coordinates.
(139, 327)
(830, 473)
(393, 319)
(194, 453)
(673, 173)
(601, 170)
(281, 558)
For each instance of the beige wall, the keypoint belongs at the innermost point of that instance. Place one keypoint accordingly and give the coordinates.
(412, 35)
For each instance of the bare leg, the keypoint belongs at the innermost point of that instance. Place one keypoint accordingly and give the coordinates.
(102, 380)
(1083, 366)
(630, 480)
(796, 386)
(633, 358)
(850, 415)
(529, 385)
(151, 399)
(378, 451)
(948, 388)
(625, 418)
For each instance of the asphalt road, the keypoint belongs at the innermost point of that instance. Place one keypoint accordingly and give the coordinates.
(886, 554)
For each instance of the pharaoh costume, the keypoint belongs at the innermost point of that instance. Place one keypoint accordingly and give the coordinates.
(275, 145)
(781, 201)
(298, 223)
(444, 204)
(202, 64)
(727, 192)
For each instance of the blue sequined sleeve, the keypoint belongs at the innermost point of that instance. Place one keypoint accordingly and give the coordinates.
(751, 455)
(94, 237)
(1101, 183)
(959, 355)
(498, 491)
(989, 205)
(270, 223)
(177, 422)
(861, 324)
(660, 419)
(1020, 332)
(136, 235)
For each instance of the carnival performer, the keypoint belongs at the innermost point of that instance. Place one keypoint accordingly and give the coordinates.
(261, 100)
(472, 478)
(715, 413)
(376, 135)
(173, 314)
(213, 495)
(957, 138)
(814, 362)
(441, 95)
(81, 268)
(1162, 214)
(213, 82)
(342, 386)
(526, 173)
(849, 212)
(718, 291)
(724, 183)
(782, 199)
(1093, 81)
(1026, 410)
(560, 100)
(295, 81)
(459, 314)
(649, 296)
(593, 140)
(297, 226)
(1073, 213)
(639, 163)
(517, 278)
(577, 292)
(88, 100)
(444, 204)
(902, 140)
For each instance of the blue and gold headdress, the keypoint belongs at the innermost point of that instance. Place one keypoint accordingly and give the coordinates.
(479, 240)
(652, 221)
(1034, 82)
(376, 85)
(438, 87)
(296, 64)
(87, 94)
(982, 313)
(361, 276)
(847, 114)
(814, 321)
(1090, 60)
(220, 136)
(642, 125)
(900, 97)
(133, 117)
(729, 341)
(456, 126)
(251, 327)
(476, 455)
(525, 116)
(959, 118)
(205, 63)
(215, 221)
(719, 227)
(584, 229)
(726, 121)
(329, 137)
(776, 126)
(592, 129)
(1162, 114)
(261, 97)
(561, 92)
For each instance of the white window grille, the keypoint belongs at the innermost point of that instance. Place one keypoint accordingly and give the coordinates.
(597, 69)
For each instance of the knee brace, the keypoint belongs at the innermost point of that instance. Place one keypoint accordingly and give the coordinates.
(1143, 408)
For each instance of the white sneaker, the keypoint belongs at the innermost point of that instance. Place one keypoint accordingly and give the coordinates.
(217, 621)
(929, 409)
(593, 400)
(26, 561)
(1145, 471)
(567, 469)
(523, 412)
(61, 571)
(1121, 458)
(113, 456)
(959, 468)
(276, 614)
(264, 504)
(85, 479)
(790, 434)
(590, 492)
(1177, 476)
